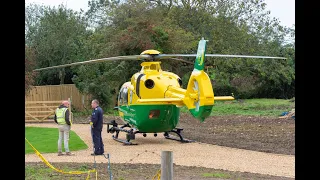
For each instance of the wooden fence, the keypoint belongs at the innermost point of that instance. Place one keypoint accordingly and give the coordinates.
(79, 101)
(43, 111)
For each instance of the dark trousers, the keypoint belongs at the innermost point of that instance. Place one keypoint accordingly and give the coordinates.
(97, 141)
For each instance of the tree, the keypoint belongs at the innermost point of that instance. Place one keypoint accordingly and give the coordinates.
(57, 38)
(29, 75)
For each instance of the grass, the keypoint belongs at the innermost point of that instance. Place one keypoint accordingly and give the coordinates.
(45, 140)
(251, 107)
(39, 172)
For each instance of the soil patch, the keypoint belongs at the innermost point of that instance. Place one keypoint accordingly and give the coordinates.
(142, 172)
(257, 133)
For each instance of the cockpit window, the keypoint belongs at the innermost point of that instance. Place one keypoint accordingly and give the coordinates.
(123, 96)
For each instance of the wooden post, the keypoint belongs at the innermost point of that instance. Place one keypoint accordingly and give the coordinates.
(166, 165)
(70, 112)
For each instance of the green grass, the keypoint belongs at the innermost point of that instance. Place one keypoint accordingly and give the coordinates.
(37, 173)
(251, 107)
(216, 175)
(45, 140)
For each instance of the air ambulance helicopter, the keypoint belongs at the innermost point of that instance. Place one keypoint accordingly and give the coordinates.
(150, 102)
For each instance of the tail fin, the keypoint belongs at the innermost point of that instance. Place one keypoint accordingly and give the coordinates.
(199, 62)
(199, 96)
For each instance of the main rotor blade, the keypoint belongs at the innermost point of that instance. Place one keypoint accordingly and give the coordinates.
(177, 59)
(133, 57)
(244, 56)
(162, 56)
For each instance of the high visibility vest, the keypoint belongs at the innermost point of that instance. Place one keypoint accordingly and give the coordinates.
(61, 113)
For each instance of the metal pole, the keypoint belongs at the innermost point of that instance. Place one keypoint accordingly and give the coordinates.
(108, 156)
(166, 165)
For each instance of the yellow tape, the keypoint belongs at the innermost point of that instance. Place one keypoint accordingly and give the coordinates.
(59, 170)
(158, 175)
(88, 176)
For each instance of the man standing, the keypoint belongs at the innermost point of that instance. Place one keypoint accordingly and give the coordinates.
(96, 123)
(61, 117)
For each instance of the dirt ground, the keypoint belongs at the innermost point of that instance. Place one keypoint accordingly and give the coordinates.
(147, 172)
(264, 134)
(257, 133)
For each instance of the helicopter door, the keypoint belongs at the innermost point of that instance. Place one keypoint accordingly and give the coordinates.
(138, 85)
(130, 96)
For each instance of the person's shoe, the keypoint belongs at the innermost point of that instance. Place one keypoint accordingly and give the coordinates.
(60, 154)
(69, 154)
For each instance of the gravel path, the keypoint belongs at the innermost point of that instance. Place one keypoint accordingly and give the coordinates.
(197, 154)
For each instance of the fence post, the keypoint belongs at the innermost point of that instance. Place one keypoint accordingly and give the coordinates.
(166, 165)
(70, 112)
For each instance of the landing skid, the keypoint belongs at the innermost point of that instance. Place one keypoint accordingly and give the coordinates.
(178, 132)
(130, 133)
(125, 142)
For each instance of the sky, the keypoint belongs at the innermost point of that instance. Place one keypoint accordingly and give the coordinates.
(283, 10)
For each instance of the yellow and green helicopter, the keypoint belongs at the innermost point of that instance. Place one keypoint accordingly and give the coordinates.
(150, 102)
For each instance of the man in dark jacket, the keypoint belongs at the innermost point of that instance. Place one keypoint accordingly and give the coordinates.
(61, 117)
(96, 123)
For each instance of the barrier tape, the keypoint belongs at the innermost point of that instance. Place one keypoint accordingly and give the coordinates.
(158, 175)
(59, 170)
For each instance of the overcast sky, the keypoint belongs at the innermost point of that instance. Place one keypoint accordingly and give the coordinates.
(283, 10)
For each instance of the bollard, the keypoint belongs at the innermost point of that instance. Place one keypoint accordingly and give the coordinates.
(166, 165)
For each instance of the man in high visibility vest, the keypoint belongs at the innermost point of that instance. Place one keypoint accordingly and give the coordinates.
(61, 117)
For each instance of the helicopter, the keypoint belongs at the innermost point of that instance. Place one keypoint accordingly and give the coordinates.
(150, 102)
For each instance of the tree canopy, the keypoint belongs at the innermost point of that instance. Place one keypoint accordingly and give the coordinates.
(112, 28)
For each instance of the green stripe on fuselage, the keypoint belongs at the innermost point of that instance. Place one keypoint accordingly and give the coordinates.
(138, 117)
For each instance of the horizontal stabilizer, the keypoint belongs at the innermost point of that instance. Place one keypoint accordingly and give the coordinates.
(223, 98)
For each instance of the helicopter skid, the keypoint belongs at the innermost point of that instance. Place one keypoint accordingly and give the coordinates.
(125, 142)
(178, 139)
(178, 132)
(130, 134)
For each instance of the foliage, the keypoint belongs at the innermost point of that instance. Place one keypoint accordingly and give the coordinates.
(45, 140)
(94, 80)
(251, 107)
(57, 38)
(29, 75)
(116, 28)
